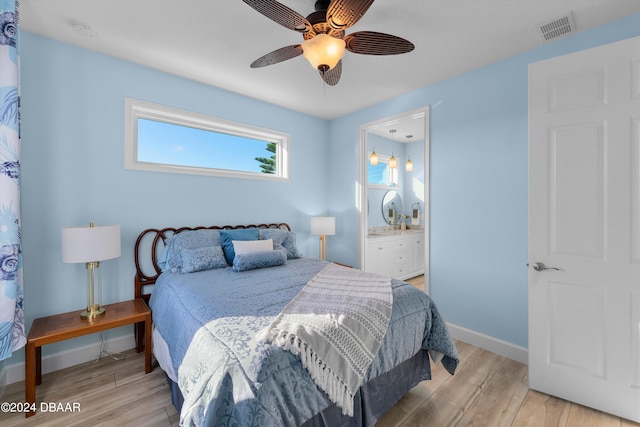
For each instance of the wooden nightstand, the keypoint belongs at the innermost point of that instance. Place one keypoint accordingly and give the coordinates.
(50, 329)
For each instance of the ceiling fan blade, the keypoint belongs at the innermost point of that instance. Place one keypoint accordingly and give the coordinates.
(332, 76)
(278, 55)
(281, 14)
(342, 14)
(373, 43)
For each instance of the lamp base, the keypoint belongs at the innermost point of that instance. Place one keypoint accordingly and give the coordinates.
(323, 247)
(92, 311)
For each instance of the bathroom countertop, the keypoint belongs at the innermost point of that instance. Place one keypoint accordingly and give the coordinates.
(385, 232)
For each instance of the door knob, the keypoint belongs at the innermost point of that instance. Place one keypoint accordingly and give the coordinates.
(539, 266)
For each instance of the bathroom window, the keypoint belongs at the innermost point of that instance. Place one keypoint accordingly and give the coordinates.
(381, 175)
(164, 139)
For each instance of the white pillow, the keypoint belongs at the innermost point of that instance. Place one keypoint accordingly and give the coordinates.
(248, 246)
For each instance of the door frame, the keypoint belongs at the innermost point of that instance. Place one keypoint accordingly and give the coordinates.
(362, 184)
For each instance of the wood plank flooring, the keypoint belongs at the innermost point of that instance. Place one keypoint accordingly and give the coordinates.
(487, 390)
(110, 392)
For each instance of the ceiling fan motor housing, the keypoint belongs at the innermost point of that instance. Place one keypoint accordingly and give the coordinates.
(321, 5)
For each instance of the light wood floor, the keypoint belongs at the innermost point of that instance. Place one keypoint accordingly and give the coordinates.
(487, 390)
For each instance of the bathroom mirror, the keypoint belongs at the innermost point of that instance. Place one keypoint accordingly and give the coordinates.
(391, 207)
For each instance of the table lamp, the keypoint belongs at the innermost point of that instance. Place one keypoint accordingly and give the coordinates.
(323, 226)
(91, 245)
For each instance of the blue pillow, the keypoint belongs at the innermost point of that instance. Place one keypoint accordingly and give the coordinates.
(188, 239)
(162, 261)
(282, 240)
(199, 259)
(228, 236)
(261, 259)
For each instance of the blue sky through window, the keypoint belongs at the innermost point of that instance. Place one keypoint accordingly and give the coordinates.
(173, 144)
(378, 174)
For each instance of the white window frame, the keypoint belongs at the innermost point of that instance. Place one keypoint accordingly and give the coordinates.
(136, 109)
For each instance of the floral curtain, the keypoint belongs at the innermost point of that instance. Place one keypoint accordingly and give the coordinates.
(12, 331)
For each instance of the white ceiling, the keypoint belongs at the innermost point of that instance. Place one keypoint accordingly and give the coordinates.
(214, 41)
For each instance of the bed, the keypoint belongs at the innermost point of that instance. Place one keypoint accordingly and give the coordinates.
(214, 310)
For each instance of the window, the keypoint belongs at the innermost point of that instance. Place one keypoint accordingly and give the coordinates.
(164, 139)
(381, 175)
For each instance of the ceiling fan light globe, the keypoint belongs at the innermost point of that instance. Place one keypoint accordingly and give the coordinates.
(323, 51)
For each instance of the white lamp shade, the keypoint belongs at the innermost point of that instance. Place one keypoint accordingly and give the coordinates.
(323, 225)
(88, 244)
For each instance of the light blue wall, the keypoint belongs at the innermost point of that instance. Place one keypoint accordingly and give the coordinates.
(479, 179)
(414, 180)
(73, 171)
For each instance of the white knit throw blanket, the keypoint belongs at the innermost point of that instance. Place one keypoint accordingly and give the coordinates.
(336, 324)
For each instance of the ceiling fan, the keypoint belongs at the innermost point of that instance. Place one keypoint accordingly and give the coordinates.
(324, 35)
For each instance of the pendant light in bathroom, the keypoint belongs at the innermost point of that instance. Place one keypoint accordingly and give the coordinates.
(373, 157)
(409, 164)
(393, 163)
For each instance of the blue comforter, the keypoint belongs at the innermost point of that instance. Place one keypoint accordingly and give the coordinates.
(209, 320)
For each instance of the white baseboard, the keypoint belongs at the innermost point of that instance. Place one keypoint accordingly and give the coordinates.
(494, 345)
(75, 356)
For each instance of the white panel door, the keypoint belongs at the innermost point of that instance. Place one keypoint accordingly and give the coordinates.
(584, 226)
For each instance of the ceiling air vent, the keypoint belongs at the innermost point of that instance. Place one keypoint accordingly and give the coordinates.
(557, 28)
